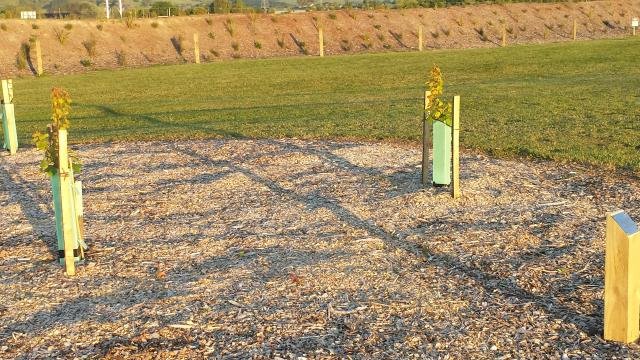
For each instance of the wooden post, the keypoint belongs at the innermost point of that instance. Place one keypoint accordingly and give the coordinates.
(426, 139)
(196, 48)
(575, 29)
(321, 41)
(7, 91)
(455, 149)
(622, 279)
(66, 202)
(420, 38)
(39, 68)
(504, 36)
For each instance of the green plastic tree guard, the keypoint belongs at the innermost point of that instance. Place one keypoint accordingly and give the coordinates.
(57, 208)
(5, 129)
(9, 128)
(441, 154)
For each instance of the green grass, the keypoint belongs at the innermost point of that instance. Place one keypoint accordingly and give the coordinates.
(571, 101)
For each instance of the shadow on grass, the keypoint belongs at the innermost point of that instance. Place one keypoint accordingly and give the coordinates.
(167, 125)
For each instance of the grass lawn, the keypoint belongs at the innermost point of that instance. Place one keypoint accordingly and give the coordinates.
(569, 101)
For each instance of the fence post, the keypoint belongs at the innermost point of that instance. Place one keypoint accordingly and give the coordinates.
(196, 48)
(504, 36)
(420, 38)
(39, 68)
(66, 203)
(575, 29)
(622, 279)
(426, 139)
(321, 41)
(455, 149)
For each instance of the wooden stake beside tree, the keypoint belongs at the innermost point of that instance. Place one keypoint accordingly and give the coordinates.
(321, 41)
(39, 68)
(66, 202)
(455, 149)
(196, 48)
(426, 138)
(61, 165)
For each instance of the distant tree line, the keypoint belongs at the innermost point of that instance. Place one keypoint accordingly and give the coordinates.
(71, 8)
(95, 8)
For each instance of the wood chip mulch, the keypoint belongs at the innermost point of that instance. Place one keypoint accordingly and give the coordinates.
(237, 249)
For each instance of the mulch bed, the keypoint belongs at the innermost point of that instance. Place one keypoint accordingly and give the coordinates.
(294, 249)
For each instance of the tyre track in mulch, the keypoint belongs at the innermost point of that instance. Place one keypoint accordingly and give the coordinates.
(312, 249)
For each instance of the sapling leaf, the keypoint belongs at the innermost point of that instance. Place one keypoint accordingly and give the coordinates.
(76, 166)
(437, 109)
(48, 142)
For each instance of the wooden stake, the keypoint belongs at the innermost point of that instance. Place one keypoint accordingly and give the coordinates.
(39, 68)
(196, 48)
(420, 38)
(321, 41)
(575, 29)
(7, 91)
(66, 202)
(426, 139)
(622, 279)
(504, 36)
(455, 149)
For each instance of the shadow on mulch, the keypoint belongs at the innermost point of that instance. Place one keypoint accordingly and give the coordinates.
(505, 288)
(29, 205)
(135, 296)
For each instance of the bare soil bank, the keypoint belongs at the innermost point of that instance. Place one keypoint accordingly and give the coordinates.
(222, 37)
